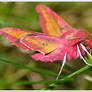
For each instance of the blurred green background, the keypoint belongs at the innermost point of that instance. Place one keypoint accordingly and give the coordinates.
(23, 15)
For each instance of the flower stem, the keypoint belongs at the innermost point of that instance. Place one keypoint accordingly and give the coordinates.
(51, 86)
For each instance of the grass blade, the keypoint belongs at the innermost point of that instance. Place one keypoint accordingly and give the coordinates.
(18, 65)
(5, 83)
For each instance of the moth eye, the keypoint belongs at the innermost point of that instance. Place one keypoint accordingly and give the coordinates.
(84, 43)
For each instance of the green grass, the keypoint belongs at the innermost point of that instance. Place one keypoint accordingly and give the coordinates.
(53, 84)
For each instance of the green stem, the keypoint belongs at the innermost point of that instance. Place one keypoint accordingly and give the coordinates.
(79, 71)
(51, 86)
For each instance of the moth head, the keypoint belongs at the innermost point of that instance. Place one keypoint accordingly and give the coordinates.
(86, 38)
(81, 36)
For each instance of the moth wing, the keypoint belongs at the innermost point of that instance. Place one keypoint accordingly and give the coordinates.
(50, 22)
(13, 35)
(43, 44)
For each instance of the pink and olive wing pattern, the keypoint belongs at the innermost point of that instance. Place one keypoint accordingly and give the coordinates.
(14, 35)
(50, 22)
(44, 44)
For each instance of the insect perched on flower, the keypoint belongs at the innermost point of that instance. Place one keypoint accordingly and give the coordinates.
(59, 41)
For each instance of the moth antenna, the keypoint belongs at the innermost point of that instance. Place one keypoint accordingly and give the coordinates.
(81, 55)
(64, 61)
(84, 48)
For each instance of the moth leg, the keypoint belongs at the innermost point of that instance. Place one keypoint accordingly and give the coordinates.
(81, 55)
(84, 48)
(64, 61)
